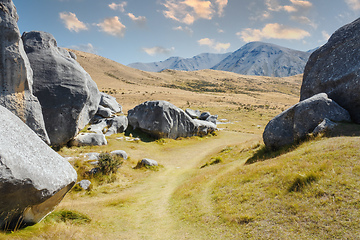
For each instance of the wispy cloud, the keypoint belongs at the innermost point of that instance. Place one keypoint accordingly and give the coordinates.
(188, 11)
(304, 20)
(158, 50)
(84, 47)
(118, 6)
(221, 5)
(272, 30)
(211, 43)
(140, 20)
(112, 26)
(72, 22)
(184, 29)
(325, 35)
(353, 4)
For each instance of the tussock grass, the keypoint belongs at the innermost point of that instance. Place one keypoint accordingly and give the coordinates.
(308, 193)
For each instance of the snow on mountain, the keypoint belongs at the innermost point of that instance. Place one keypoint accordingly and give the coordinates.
(264, 59)
(198, 62)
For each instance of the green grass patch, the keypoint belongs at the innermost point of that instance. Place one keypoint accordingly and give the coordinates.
(68, 216)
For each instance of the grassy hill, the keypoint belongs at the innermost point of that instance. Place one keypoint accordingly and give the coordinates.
(204, 189)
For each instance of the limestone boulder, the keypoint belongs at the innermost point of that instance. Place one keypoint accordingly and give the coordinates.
(120, 153)
(110, 102)
(162, 120)
(33, 177)
(301, 119)
(116, 124)
(335, 69)
(194, 114)
(67, 94)
(89, 139)
(16, 78)
(324, 126)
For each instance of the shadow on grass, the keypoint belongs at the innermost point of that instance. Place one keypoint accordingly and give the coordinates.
(136, 133)
(263, 153)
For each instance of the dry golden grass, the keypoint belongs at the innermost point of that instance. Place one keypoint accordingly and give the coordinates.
(308, 193)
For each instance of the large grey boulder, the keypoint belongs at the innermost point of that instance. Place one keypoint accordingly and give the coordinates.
(16, 76)
(163, 120)
(335, 69)
(301, 119)
(33, 177)
(68, 96)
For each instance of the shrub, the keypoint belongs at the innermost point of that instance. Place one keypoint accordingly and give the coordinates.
(108, 163)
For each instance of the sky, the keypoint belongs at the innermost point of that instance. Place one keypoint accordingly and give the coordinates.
(154, 30)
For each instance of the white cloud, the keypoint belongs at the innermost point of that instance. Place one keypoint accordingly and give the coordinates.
(211, 43)
(188, 11)
(72, 22)
(184, 29)
(112, 26)
(272, 30)
(140, 21)
(84, 47)
(118, 6)
(221, 5)
(302, 4)
(158, 50)
(353, 4)
(304, 20)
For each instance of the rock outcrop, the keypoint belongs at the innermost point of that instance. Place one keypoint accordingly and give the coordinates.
(335, 69)
(301, 119)
(67, 94)
(164, 120)
(16, 76)
(33, 177)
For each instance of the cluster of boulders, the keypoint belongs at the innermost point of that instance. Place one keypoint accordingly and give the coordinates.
(164, 120)
(329, 91)
(33, 177)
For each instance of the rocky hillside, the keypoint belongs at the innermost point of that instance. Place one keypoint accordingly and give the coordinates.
(198, 62)
(264, 59)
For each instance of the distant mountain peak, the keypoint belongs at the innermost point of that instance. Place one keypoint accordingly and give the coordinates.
(254, 58)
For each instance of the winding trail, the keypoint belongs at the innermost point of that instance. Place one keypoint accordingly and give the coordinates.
(148, 213)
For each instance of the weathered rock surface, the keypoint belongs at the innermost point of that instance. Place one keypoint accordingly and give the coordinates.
(110, 102)
(204, 115)
(335, 69)
(149, 162)
(302, 118)
(16, 76)
(117, 124)
(120, 153)
(68, 96)
(84, 184)
(104, 112)
(204, 127)
(33, 177)
(163, 120)
(324, 126)
(194, 114)
(89, 139)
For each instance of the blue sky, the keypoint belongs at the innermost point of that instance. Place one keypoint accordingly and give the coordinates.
(153, 30)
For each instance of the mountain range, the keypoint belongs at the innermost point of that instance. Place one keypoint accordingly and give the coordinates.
(255, 58)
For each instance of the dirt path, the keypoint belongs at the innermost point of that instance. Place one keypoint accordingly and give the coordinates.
(146, 214)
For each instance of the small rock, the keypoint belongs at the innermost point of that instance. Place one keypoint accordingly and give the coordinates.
(93, 155)
(204, 115)
(149, 162)
(89, 139)
(117, 124)
(104, 112)
(84, 184)
(194, 114)
(120, 153)
(110, 102)
(324, 126)
(212, 118)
